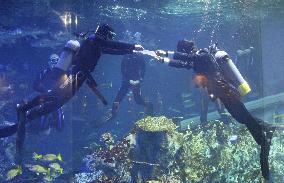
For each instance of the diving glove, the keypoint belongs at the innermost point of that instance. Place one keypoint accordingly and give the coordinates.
(138, 47)
(161, 53)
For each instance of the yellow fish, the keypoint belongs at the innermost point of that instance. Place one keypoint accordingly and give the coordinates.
(52, 157)
(38, 169)
(47, 157)
(56, 167)
(11, 174)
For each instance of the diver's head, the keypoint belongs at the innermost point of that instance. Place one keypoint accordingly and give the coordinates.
(53, 60)
(132, 38)
(186, 46)
(213, 48)
(105, 32)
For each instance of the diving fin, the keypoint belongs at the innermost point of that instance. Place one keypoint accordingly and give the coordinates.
(264, 152)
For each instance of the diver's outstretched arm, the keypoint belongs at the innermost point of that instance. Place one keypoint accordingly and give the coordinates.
(176, 59)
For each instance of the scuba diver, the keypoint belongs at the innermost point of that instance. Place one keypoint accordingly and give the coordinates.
(133, 70)
(40, 85)
(83, 64)
(185, 47)
(210, 75)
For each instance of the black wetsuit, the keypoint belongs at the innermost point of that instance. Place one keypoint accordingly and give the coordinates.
(46, 80)
(132, 68)
(205, 64)
(84, 63)
(204, 102)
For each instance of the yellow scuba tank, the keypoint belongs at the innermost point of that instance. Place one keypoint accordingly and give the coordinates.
(66, 56)
(232, 73)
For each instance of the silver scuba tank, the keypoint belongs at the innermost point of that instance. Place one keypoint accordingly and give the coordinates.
(66, 56)
(232, 72)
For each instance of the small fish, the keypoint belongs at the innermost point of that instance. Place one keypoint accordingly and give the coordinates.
(56, 167)
(52, 157)
(48, 157)
(38, 169)
(11, 174)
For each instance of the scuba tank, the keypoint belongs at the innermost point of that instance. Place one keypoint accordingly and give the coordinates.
(232, 73)
(66, 56)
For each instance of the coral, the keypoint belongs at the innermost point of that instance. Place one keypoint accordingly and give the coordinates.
(88, 177)
(153, 124)
(111, 160)
(226, 153)
(215, 152)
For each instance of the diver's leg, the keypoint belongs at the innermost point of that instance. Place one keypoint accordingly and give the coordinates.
(22, 108)
(31, 101)
(137, 95)
(119, 97)
(56, 119)
(261, 131)
(36, 107)
(238, 110)
(45, 108)
(24, 117)
(59, 119)
(221, 110)
(203, 106)
(21, 134)
(45, 103)
(43, 121)
(140, 101)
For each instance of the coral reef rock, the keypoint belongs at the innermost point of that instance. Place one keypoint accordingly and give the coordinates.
(155, 151)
